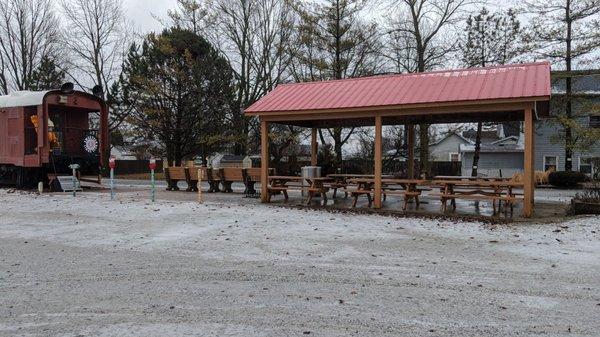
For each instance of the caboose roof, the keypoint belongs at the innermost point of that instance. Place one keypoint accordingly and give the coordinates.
(22, 98)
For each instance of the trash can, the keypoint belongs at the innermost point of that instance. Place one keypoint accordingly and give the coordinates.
(309, 172)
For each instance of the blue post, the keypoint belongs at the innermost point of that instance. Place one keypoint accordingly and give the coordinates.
(153, 185)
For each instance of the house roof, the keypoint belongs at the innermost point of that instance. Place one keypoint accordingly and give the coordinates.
(451, 134)
(517, 81)
(583, 82)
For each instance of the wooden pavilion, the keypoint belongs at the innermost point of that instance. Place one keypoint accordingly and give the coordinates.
(517, 92)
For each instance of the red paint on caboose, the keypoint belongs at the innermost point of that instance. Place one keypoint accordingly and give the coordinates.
(73, 115)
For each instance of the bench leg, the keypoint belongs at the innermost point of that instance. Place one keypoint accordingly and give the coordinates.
(405, 202)
(334, 193)
(417, 201)
(174, 186)
(355, 200)
(369, 199)
(324, 198)
(285, 195)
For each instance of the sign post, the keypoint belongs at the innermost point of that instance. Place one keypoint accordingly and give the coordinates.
(112, 163)
(152, 167)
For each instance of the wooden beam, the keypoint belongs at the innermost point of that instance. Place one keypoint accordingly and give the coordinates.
(410, 148)
(378, 162)
(264, 160)
(314, 147)
(529, 166)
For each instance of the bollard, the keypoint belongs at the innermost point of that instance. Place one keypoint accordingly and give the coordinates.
(112, 164)
(41, 187)
(199, 185)
(74, 167)
(152, 166)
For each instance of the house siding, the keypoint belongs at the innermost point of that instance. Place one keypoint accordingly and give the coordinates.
(547, 143)
(496, 164)
(441, 151)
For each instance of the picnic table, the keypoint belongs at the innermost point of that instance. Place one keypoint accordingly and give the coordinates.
(316, 186)
(494, 190)
(408, 188)
(340, 181)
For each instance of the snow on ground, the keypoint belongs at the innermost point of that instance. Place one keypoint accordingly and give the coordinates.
(91, 266)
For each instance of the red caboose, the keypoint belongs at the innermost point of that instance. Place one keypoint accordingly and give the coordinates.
(43, 132)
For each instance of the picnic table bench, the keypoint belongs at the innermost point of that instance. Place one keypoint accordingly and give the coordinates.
(501, 190)
(408, 188)
(316, 186)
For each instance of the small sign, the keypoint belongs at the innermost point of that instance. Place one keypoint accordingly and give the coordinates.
(152, 164)
(112, 162)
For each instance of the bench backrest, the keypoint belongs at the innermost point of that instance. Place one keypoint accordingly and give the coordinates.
(253, 173)
(231, 174)
(176, 172)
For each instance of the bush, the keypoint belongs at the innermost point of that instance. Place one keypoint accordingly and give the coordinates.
(566, 179)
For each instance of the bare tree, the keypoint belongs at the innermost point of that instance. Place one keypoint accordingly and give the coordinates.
(334, 43)
(28, 33)
(568, 33)
(255, 36)
(420, 39)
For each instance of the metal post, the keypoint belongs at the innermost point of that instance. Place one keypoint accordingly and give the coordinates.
(112, 184)
(153, 195)
(74, 167)
(74, 182)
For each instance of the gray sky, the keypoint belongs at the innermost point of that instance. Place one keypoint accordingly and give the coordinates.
(141, 11)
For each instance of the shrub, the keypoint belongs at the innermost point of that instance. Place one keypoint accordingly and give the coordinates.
(566, 179)
(591, 194)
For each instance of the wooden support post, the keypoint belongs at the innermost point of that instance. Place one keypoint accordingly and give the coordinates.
(314, 147)
(378, 163)
(529, 166)
(410, 148)
(264, 161)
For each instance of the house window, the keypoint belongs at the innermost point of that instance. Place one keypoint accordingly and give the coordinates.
(550, 163)
(454, 156)
(586, 165)
(595, 122)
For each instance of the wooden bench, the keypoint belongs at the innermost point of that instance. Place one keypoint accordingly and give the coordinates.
(173, 175)
(228, 176)
(207, 175)
(251, 177)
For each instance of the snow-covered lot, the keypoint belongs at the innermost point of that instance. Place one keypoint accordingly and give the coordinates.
(89, 266)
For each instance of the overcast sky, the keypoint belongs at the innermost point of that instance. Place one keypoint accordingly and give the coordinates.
(141, 11)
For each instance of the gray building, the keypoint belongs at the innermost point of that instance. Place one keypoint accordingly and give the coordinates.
(448, 148)
(504, 155)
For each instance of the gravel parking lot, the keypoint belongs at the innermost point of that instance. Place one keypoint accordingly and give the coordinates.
(91, 267)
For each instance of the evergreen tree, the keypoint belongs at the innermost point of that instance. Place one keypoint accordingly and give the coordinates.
(181, 93)
(46, 76)
(491, 38)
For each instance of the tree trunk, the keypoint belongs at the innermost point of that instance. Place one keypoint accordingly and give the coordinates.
(568, 92)
(477, 149)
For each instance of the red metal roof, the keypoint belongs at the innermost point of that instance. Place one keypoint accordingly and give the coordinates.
(513, 81)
